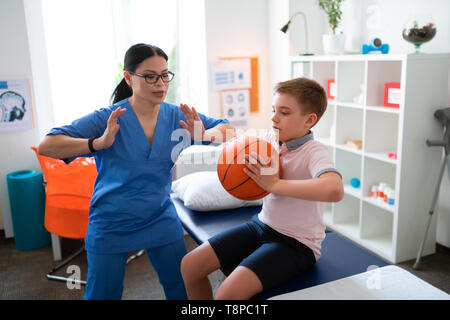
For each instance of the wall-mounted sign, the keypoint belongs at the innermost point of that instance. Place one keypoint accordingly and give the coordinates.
(16, 112)
(236, 106)
(231, 74)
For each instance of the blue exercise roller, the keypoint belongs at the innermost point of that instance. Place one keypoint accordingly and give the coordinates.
(27, 202)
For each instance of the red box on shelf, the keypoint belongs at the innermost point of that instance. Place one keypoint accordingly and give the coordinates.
(392, 94)
(331, 89)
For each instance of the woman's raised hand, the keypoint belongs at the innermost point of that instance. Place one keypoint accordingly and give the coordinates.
(193, 124)
(108, 137)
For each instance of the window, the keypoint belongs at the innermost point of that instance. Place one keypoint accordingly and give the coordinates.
(81, 59)
(86, 41)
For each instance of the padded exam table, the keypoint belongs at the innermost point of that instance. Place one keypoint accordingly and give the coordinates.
(340, 257)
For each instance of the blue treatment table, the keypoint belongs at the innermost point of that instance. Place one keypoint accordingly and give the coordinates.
(340, 258)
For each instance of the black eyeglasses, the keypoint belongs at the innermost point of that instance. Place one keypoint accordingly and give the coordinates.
(153, 78)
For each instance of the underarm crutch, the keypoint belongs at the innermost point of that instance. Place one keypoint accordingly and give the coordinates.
(443, 116)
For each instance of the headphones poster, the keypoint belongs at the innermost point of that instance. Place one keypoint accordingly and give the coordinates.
(15, 105)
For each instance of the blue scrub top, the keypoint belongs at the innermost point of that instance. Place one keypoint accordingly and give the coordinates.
(131, 207)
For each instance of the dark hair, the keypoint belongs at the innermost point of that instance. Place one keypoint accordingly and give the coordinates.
(310, 95)
(133, 58)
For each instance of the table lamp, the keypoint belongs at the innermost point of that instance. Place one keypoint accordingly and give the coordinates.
(286, 27)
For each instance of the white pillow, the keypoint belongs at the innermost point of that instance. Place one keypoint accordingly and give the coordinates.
(202, 191)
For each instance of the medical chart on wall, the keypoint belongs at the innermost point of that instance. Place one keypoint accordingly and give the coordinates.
(16, 112)
(236, 107)
(231, 74)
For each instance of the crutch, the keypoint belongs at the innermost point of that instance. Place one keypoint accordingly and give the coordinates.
(443, 116)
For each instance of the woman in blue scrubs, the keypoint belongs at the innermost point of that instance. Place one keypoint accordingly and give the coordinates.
(135, 143)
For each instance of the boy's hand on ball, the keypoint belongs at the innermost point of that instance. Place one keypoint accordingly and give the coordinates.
(263, 171)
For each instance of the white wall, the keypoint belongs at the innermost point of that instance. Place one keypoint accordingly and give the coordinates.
(278, 15)
(15, 62)
(239, 28)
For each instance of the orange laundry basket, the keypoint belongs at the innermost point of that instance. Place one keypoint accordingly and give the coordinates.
(69, 190)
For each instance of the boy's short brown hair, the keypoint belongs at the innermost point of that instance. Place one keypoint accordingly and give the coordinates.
(308, 93)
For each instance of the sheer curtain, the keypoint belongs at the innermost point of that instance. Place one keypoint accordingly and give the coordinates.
(193, 88)
(80, 47)
(86, 41)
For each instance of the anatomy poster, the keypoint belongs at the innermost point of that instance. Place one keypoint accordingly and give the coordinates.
(15, 105)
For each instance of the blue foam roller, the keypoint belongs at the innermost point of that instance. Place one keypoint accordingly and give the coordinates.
(27, 202)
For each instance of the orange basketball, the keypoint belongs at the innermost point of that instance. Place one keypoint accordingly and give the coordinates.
(230, 167)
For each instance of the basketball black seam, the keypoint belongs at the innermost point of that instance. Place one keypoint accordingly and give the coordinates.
(256, 195)
(226, 171)
(239, 184)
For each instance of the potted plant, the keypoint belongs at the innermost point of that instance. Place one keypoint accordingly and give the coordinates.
(332, 43)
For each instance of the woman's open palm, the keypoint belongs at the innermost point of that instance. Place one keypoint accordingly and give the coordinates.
(193, 123)
(108, 137)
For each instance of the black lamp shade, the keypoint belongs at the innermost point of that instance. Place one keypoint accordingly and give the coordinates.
(285, 27)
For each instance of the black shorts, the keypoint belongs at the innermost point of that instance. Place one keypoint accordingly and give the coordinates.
(272, 256)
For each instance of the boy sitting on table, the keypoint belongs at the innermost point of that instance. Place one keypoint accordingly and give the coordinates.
(284, 239)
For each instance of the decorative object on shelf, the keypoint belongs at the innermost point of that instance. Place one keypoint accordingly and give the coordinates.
(355, 183)
(354, 144)
(375, 45)
(392, 94)
(285, 28)
(374, 191)
(331, 89)
(332, 43)
(359, 99)
(419, 29)
(392, 155)
(391, 198)
(383, 193)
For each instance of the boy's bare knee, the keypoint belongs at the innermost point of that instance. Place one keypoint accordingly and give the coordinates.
(226, 293)
(188, 267)
(221, 294)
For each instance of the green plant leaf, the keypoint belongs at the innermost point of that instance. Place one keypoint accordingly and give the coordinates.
(333, 9)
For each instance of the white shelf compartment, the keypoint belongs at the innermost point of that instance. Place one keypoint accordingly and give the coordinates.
(349, 126)
(351, 76)
(381, 135)
(349, 166)
(322, 71)
(378, 203)
(346, 217)
(323, 129)
(301, 69)
(383, 109)
(376, 171)
(377, 229)
(379, 73)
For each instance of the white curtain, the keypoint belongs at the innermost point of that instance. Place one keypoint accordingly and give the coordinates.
(192, 61)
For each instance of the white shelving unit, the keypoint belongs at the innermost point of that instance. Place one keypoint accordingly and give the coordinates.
(393, 232)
